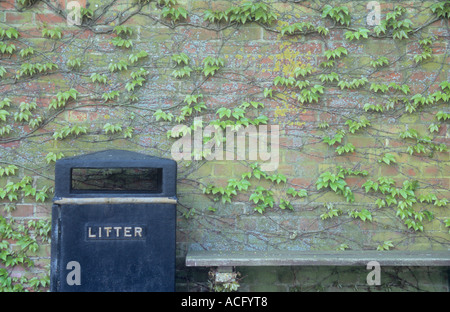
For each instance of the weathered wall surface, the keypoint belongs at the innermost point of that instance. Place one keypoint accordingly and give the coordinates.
(361, 107)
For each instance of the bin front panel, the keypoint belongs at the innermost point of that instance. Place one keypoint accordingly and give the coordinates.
(127, 247)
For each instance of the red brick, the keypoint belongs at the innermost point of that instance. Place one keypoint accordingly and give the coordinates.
(77, 116)
(7, 5)
(388, 76)
(31, 32)
(431, 171)
(61, 4)
(437, 182)
(19, 18)
(79, 33)
(23, 210)
(422, 76)
(439, 47)
(301, 182)
(413, 48)
(411, 172)
(443, 129)
(388, 170)
(335, 34)
(50, 18)
(355, 181)
(93, 116)
(10, 144)
(42, 211)
(312, 47)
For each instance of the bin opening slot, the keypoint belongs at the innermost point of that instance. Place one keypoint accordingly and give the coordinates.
(125, 180)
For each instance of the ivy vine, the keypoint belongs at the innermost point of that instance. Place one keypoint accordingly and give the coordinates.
(307, 85)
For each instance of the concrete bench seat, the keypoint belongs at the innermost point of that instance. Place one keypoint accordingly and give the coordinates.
(316, 258)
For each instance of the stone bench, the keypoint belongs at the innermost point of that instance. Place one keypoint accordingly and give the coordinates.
(226, 260)
(315, 258)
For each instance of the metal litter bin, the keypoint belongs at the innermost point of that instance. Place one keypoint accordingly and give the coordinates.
(113, 223)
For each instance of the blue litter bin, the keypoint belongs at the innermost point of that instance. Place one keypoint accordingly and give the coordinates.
(113, 223)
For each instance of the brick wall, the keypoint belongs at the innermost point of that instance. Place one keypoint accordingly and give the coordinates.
(254, 54)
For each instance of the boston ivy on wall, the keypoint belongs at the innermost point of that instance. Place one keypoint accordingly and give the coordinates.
(63, 93)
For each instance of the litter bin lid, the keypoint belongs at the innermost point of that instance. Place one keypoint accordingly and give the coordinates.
(136, 174)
